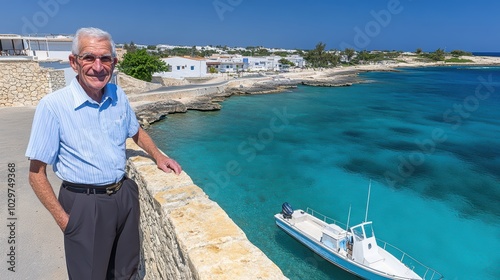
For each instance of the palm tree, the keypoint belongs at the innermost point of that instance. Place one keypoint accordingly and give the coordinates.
(349, 53)
(317, 57)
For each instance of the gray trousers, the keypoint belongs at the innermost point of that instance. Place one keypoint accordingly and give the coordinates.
(101, 240)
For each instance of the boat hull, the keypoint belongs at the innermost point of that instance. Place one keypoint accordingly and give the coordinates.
(329, 255)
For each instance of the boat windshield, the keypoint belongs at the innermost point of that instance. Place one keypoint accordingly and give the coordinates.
(358, 232)
(368, 230)
(363, 231)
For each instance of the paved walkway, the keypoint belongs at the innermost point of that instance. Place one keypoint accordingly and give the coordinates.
(39, 251)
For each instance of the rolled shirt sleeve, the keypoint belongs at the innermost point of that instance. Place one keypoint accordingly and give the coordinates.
(133, 125)
(44, 139)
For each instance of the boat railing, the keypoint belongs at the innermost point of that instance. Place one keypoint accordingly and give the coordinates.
(424, 271)
(325, 218)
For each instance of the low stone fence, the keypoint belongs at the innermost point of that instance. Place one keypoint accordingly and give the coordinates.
(24, 82)
(185, 235)
(132, 85)
(159, 95)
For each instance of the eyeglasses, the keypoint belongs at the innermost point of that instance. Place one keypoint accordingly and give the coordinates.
(89, 58)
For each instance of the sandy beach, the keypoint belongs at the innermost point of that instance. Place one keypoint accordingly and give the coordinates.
(340, 75)
(403, 61)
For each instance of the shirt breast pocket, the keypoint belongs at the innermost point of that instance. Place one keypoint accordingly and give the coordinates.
(118, 129)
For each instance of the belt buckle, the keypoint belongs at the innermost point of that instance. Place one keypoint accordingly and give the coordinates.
(114, 188)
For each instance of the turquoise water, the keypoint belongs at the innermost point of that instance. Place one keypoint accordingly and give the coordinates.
(428, 138)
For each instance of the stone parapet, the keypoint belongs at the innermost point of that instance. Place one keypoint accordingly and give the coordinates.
(24, 82)
(132, 85)
(185, 235)
(169, 94)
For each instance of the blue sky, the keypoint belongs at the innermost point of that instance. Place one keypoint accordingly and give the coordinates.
(363, 24)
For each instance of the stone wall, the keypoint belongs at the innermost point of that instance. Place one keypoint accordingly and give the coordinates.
(168, 82)
(185, 235)
(56, 79)
(176, 94)
(24, 82)
(132, 85)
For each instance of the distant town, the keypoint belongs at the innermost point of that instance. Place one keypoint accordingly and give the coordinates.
(201, 61)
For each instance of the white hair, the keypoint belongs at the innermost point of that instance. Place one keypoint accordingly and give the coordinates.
(93, 33)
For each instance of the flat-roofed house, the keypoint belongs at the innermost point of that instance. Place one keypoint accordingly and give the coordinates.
(46, 48)
(185, 67)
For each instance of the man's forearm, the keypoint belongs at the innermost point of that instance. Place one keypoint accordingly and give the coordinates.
(143, 140)
(43, 190)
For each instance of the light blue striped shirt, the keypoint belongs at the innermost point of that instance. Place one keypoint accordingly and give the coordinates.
(82, 139)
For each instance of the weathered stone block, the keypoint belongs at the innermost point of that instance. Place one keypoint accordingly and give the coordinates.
(185, 235)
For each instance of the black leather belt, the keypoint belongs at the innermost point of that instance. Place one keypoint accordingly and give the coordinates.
(92, 189)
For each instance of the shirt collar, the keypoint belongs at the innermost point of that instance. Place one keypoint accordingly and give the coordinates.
(81, 98)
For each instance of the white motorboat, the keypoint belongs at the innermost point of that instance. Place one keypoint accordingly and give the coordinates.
(354, 249)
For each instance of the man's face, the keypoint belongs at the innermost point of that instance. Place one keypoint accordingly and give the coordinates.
(94, 64)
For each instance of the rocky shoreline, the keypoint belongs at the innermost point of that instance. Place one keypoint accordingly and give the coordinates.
(280, 83)
(150, 111)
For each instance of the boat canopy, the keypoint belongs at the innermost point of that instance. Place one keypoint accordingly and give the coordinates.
(363, 231)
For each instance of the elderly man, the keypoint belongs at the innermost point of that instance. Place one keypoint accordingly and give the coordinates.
(81, 131)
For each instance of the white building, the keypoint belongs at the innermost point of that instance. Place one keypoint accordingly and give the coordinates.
(271, 63)
(48, 48)
(237, 63)
(227, 63)
(48, 51)
(185, 67)
(298, 60)
(257, 63)
(189, 67)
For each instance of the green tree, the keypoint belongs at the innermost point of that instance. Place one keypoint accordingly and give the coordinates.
(261, 52)
(141, 65)
(285, 61)
(130, 48)
(349, 53)
(282, 54)
(318, 56)
(300, 52)
(438, 55)
(363, 57)
(457, 53)
(332, 58)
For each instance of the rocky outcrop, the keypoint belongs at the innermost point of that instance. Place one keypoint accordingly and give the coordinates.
(341, 79)
(202, 103)
(150, 112)
(154, 105)
(326, 83)
(280, 84)
(263, 87)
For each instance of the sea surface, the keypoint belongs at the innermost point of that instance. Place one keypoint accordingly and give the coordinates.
(428, 139)
(497, 54)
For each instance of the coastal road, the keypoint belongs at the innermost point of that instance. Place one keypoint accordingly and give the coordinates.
(184, 87)
(205, 85)
(31, 244)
